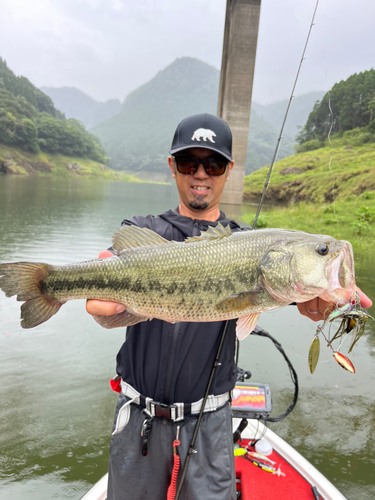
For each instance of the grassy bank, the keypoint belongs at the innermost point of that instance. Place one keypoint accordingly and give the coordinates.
(16, 162)
(319, 176)
(351, 220)
(327, 191)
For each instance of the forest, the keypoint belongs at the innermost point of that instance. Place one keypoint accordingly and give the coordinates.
(29, 121)
(349, 105)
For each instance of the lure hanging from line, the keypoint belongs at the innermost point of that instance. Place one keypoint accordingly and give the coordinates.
(314, 352)
(353, 320)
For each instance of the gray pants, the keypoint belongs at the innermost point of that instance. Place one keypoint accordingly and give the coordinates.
(210, 474)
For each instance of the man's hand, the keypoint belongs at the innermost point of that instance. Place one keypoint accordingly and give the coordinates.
(318, 309)
(104, 307)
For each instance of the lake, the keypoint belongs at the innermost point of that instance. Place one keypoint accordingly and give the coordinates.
(57, 408)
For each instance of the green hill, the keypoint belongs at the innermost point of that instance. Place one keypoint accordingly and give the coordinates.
(320, 176)
(330, 190)
(29, 121)
(139, 137)
(76, 104)
(350, 104)
(14, 161)
(336, 156)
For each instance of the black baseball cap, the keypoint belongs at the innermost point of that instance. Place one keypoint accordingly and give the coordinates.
(203, 131)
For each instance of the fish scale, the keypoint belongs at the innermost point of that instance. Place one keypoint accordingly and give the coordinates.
(215, 276)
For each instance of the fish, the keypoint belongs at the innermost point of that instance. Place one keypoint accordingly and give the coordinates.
(216, 276)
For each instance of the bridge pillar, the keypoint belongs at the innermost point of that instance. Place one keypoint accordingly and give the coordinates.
(236, 85)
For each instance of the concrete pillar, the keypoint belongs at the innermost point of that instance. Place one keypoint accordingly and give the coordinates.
(236, 85)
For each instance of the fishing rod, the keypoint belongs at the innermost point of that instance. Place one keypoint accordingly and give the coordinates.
(216, 362)
(198, 423)
(285, 117)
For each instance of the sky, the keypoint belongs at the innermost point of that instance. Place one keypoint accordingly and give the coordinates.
(107, 48)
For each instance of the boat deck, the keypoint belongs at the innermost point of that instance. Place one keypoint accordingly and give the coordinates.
(258, 484)
(300, 475)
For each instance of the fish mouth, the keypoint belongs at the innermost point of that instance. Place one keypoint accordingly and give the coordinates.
(341, 277)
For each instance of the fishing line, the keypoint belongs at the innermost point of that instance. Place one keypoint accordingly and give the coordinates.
(285, 117)
(330, 159)
(291, 353)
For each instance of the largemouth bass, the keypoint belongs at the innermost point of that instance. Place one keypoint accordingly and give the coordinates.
(212, 277)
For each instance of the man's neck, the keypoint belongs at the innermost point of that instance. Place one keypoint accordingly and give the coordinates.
(210, 214)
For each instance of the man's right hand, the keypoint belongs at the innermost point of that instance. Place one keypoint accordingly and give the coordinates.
(104, 307)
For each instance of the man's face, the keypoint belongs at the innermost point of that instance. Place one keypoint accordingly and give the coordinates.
(199, 191)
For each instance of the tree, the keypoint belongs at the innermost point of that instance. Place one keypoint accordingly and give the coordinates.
(345, 107)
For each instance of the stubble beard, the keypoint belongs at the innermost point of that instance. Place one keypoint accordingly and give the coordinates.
(199, 203)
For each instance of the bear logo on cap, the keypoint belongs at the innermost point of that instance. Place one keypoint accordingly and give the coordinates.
(204, 134)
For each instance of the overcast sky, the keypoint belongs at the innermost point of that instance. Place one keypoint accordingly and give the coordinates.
(107, 48)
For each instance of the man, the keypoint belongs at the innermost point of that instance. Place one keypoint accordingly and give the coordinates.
(172, 363)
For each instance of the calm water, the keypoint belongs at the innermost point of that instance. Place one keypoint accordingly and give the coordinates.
(56, 406)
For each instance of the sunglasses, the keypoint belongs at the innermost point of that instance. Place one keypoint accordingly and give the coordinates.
(189, 165)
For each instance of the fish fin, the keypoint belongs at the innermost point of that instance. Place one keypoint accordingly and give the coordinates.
(36, 311)
(246, 325)
(241, 301)
(24, 280)
(134, 236)
(119, 320)
(212, 233)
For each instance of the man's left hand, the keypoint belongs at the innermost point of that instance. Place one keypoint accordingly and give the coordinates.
(318, 309)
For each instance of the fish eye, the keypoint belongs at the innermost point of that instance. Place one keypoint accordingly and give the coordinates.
(322, 249)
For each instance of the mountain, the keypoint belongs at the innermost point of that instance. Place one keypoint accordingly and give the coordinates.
(299, 111)
(76, 104)
(29, 121)
(138, 138)
(21, 88)
(137, 134)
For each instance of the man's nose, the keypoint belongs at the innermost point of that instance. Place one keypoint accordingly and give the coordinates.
(201, 173)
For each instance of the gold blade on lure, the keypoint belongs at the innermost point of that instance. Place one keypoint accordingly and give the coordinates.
(314, 352)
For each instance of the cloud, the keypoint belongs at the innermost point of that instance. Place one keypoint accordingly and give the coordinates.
(107, 48)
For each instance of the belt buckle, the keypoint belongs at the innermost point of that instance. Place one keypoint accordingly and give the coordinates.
(163, 410)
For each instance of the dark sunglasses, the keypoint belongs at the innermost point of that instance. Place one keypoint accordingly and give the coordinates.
(189, 165)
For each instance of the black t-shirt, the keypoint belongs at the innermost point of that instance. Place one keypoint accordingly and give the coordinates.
(172, 363)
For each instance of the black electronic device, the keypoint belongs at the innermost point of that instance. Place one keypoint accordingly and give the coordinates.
(251, 400)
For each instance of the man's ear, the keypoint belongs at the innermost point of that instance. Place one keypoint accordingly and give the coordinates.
(172, 166)
(231, 165)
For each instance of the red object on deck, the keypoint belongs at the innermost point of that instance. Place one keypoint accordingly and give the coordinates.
(256, 483)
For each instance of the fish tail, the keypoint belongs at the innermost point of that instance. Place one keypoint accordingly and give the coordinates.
(25, 279)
